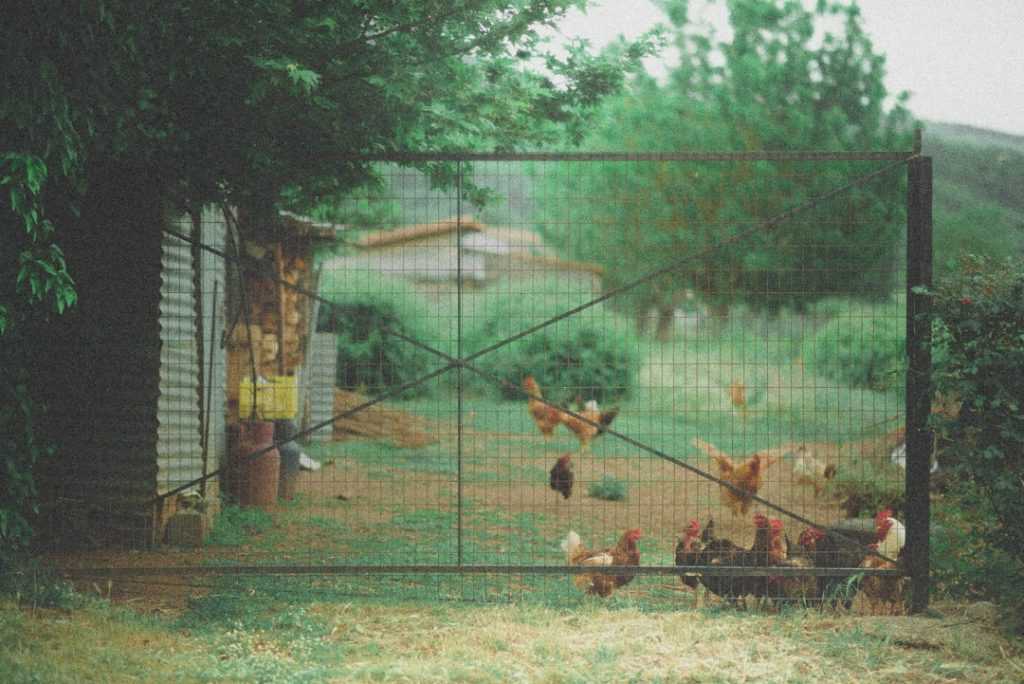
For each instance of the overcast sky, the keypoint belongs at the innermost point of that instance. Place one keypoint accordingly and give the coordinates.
(961, 60)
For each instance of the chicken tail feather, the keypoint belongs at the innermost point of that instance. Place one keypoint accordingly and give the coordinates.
(571, 544)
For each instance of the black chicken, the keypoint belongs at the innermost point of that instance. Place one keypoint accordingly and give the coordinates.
(715, 551)
(561, 476)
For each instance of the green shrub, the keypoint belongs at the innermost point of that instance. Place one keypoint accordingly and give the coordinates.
(592, 354)
(365, 317)
(34, 584)
(860, 348)
(978, 341)
(608, 489)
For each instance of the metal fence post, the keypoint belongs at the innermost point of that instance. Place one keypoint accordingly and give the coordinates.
(918, 386)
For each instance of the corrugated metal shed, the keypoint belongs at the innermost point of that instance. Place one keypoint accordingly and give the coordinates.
(320, 377)
(178, 436)
(214, 364)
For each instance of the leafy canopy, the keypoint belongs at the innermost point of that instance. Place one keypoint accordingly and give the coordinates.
(246, 102)
(784, 78)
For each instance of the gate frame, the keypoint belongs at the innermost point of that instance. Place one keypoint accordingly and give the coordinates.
(918, 392)
(917, 386)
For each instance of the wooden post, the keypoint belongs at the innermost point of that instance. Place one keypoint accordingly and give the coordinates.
(279, 296)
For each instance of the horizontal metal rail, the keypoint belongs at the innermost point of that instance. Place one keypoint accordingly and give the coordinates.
(452, 569)
(757, 155)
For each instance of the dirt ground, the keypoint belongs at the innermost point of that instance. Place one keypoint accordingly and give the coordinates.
(505, 488)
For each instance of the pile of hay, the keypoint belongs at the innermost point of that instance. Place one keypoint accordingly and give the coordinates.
(400, 428)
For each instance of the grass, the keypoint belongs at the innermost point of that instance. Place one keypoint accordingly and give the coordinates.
(346, 640)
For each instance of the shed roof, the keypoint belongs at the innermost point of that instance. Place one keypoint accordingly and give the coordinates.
(564, 264)
(396, 236)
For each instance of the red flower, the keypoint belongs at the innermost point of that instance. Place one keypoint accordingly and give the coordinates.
(965, 301)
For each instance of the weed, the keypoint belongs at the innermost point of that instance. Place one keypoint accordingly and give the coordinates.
(236, 526)
(608, 489)
(36, 585)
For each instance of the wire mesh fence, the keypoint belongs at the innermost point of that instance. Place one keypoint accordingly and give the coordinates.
(489, 366)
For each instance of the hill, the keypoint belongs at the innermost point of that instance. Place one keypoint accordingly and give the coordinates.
(979, 203)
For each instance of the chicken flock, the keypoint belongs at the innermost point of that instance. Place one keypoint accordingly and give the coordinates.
(815, 549)
(739, 483)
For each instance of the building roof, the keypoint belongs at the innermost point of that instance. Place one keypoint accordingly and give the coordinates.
(396, 236)
(324, 230)
(564, 264)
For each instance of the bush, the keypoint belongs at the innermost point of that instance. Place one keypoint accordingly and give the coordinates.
(592, 354)
(364, 317)
(860, 349)
(608, 489)
(979, 357)
(19, 449)
(33, 584)
(965, 565)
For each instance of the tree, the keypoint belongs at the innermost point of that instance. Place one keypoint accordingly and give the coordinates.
(247, 102)
(788, 78)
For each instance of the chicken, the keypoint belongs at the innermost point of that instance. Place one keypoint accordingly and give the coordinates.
(594, 425)
(813, 469)
(789, 587)
(747, 475)
(738, 396)
(547, 418)
(625, 552)
(883, 594)
(687, 551)
(714, 551)
(824, 549)
(562, 477)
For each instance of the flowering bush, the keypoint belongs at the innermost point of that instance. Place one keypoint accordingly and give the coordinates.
(978, 355)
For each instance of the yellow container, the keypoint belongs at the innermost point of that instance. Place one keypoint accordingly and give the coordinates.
(277, 397)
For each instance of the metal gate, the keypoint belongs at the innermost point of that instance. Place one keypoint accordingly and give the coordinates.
(672, 310)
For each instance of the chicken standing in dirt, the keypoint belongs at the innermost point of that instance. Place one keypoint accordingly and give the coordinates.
(884, 594)
(625, 552)
(789, 587)
(748, 475)
(714, 551)
(562, 476)
(547, 418)
(589, 423)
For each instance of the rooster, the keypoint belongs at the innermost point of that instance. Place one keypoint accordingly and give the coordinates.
(883, 593)
(546, 417)
(747, 475)
(625, 552)
(562, 477)
(594, 425)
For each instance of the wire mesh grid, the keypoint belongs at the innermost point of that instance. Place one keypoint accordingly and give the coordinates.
(677, 356)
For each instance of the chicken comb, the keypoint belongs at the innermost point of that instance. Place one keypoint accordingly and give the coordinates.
(761, 520)
(694, 529)
(776, 524)
(882, 515)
